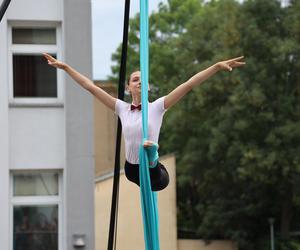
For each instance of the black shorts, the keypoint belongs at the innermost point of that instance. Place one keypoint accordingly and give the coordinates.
(159, 175)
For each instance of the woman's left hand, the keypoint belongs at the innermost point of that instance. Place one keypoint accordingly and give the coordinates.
(231, 63)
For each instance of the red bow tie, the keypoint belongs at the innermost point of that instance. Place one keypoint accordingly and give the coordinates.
(133, 107)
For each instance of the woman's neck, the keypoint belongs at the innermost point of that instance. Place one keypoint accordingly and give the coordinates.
(136, 100)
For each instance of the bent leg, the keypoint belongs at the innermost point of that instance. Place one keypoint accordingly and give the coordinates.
(159, 175)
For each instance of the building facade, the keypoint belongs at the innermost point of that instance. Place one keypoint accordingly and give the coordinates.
(46, 127)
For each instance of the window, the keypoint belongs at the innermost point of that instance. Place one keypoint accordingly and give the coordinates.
(33, 77)
(32, 80)
(35, 184)
(34, 35)
(36, 209)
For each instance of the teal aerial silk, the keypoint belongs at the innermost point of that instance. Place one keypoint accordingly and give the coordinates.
(148, 198)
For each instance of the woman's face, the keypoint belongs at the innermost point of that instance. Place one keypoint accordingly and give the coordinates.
(134, 84)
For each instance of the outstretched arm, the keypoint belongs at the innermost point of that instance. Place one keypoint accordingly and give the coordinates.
(86, 83)
(173, 97)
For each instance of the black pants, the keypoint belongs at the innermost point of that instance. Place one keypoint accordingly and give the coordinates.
(159, 175)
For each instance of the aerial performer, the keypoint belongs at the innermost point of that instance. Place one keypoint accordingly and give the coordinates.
(131, 116)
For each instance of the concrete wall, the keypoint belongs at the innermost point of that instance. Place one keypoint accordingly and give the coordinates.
(79, 175)
(130, 229)
(36, 138)
(4, 141)
(202, 245)
(105, 130)
(27, 10)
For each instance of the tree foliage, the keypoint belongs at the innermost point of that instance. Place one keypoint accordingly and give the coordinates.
(237, 136)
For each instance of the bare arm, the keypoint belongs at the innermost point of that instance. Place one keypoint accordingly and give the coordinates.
(174, 96)
(83, 81)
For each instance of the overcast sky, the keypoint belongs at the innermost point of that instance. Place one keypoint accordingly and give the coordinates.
(108, 16)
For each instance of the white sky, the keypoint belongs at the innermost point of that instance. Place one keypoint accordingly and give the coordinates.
(108, 16)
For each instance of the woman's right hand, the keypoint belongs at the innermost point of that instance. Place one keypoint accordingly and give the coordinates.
(83, 81)
(53, 62)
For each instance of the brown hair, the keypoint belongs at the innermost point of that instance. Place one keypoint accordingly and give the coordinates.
(129, 77)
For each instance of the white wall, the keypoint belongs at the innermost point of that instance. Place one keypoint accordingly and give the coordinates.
(48, 10)
(79, 125)
(4, 173)
(36, 138)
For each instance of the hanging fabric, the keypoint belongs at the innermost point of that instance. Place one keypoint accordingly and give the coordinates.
(148, 198)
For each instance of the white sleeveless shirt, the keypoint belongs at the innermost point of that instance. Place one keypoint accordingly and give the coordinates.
(132, 126)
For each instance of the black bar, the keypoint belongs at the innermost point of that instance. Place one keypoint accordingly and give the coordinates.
(3, 8)
(122, 76)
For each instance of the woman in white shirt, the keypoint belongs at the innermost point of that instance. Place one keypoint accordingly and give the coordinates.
(130, 114)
